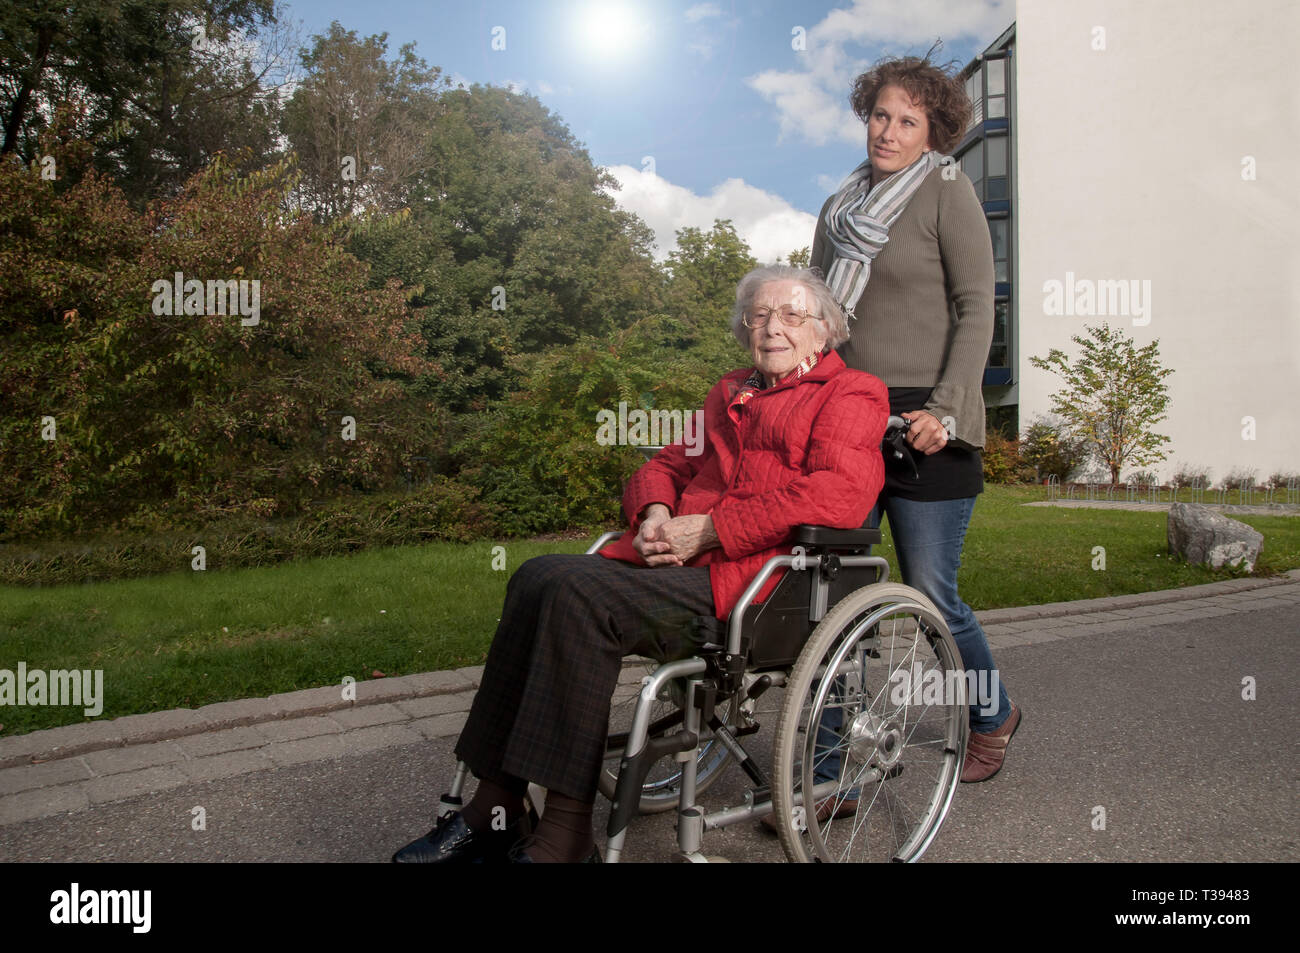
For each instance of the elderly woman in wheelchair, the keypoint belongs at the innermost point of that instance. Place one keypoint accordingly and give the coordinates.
(790, 443)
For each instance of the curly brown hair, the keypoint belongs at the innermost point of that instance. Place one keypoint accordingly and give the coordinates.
(938, 90)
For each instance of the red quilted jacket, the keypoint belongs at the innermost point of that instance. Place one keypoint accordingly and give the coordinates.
(804, 451)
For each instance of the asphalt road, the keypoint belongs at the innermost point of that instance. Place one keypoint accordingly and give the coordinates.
(1148, 724)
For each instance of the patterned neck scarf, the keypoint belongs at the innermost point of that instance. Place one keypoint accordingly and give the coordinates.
(755, 382)
(858, 221)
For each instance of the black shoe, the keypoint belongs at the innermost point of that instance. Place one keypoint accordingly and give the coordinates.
(452, 842)
(519, 854)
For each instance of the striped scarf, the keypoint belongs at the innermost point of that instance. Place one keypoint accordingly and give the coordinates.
(858, 221)
(756, 382)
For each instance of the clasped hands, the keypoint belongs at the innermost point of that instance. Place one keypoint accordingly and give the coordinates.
(667, 540)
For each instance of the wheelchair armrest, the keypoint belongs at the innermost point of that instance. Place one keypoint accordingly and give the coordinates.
(825, 536)
(599, 544)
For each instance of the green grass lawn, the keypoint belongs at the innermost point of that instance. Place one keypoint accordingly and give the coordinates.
(191, 638)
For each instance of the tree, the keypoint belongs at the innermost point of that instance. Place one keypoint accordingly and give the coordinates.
(1114, 395)
(160, 86)
(707, 266)
(513, 246)
(360, 123)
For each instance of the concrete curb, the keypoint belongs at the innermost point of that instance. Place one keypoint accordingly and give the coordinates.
(1107, 603)
(72, 740)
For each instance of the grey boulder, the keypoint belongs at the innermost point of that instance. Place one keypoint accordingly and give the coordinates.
(1200, 535)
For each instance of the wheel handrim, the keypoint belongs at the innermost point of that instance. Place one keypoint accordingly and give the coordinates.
(900, 754)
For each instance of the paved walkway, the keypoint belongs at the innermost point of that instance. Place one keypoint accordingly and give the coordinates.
(75, 768)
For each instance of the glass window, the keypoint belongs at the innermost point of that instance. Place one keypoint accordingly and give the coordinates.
(972, 163)
(997, 154)
(995, 188)
(998, 232)
(999, 352)
(997, 108)
(997, 76)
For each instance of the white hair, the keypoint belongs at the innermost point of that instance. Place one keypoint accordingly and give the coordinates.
(824, 306)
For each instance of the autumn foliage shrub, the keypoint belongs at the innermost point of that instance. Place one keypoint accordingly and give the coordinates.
(115, 414)
(1002, 463)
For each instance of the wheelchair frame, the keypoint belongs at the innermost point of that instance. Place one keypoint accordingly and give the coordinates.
(877, 742)
(880, 743)
(719, 671)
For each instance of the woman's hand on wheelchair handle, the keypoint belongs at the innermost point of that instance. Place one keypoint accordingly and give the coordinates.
(926, 434)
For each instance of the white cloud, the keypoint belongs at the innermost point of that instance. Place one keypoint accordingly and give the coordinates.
(460, 81)
(807, 109)
(812, 101)
(829, 183)
(544, 88)
(770, 225)
(702, 47)
(702, 11)
(704, 39)
(918, 22)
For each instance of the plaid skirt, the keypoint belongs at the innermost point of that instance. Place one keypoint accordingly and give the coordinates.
(542, 708)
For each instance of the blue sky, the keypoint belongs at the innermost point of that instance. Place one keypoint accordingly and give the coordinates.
(701, 110)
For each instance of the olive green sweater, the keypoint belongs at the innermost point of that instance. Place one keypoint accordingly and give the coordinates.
(926, 316)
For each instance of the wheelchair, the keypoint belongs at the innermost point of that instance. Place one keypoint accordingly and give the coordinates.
(870, 736)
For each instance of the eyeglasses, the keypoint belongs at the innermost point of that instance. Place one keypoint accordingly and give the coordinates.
(759, 317)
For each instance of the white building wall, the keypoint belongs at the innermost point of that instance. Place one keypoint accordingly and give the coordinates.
(1130, 166)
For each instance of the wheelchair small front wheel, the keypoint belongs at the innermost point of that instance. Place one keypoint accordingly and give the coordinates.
(874, 725)
(663, 784)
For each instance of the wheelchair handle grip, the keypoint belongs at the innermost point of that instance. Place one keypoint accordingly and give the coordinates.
(896, 441)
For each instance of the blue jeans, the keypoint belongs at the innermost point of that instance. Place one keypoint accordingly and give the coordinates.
(928, 536)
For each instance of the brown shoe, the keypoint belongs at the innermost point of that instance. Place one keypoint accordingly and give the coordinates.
(985, 752)
(831, 807)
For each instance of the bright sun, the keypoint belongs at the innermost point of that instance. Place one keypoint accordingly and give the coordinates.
(611, 30)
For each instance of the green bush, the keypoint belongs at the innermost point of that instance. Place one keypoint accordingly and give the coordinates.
(1237, 478)
(1143, 478)
(442, 509)
(535, 456)
(1188, 475)
(1053, 449)
(1280, 479)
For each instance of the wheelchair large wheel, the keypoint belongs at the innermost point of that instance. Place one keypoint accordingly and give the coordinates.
(662, 786)
(875, 710)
